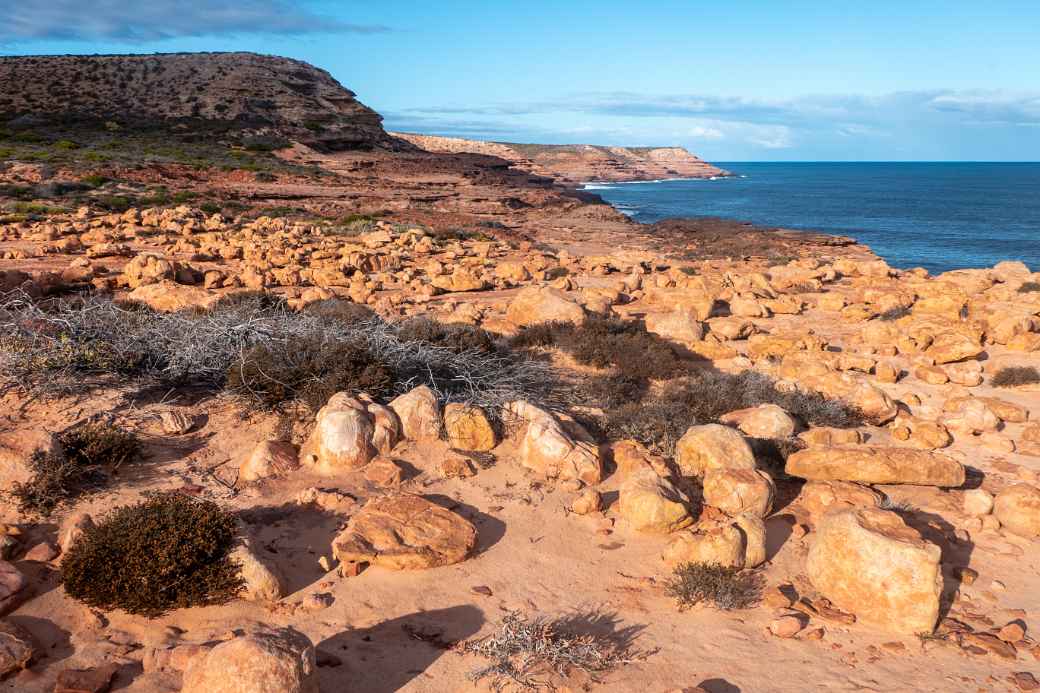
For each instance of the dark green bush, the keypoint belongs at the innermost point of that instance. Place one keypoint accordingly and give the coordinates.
(309, 369)
(456, 337)
(168, 552)
(82, 460)
(340, 310)
(721, 587)
(1015, 375)
(606, 342)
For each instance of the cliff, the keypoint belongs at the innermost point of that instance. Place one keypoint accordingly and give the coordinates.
(239, 94)
(579, 163)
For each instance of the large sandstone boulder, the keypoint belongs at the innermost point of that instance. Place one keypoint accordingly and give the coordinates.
(534, 305)
(386, 428)
(555, 448)
(737, 491)
(877, 407)
(712, 446)
(724, 545)
(678, 325)
(1018, 509)
(952, 346)
(651, 503)
(419, 414)
(763, 421)
(342, 437)
(275, 660)
(168, 296)
(876, 466)
(405, 532)
(147, 268)
(870, 563)
(468, 428)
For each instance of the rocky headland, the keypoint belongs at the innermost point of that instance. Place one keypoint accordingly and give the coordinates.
(433, 421)
(579, 163)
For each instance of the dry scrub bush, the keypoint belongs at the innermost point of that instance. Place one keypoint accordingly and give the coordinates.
(661, 418)
(1016, 375)
(82, 460)
(722, 587)
(168, 552)
(606, 342)
(523, 651)
(45, 342)
(1029, 287)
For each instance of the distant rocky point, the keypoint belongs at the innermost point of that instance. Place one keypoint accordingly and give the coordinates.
(580, 163)
(244, 95)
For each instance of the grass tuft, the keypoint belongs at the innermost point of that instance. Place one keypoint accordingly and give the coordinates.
(1012, 376)
(719, 586)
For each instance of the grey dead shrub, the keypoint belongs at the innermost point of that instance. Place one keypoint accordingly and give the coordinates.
(719, 586)
(65, 345)
(524, 651)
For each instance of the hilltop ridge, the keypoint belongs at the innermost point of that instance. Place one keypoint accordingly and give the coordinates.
(243, 94)
(579, 163)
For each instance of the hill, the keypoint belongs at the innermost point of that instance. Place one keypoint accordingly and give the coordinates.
(243, 95)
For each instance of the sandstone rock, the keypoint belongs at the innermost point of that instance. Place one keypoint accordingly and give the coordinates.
(712, 446)
(468, 428)
(12, 584)
(763, 421)
(534, 305)
(948, 347)
(90, 680)
(405, 532)
(787, 626)
(874, 403)
(261, 583)
(16, 648)
(631, 455)
(651, 503)
(342, 437)
(384, 472)
(747, 308)
(970, 415)
(723, 545)
(678, 325)
(271, 660)
(869, 563)
(176, 423)
(269, 458)
(876, 466)
(824, 436)
(1018, 509)
(737, 491)
(554, 450)
(148, 269)
(978, 502)
(753, 528)
(455, 467)
(587, 502)
(419, 414)
(821, 497)
(386, 428)
(167, 296)
(461, 279)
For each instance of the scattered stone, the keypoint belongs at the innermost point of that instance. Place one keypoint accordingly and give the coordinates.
(44, 552)
(978, 502)
(787, 626)
(176, 423)
(342, 437)
(587, 502)
(405, 532)
(419, 414)
(271, 660)
(723, 545)
(736, 491)
(12, 584)
(556, 448)
(535, 305)
(651, 503)
(763, 421)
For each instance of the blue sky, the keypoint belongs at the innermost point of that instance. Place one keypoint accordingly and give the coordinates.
(737, 80)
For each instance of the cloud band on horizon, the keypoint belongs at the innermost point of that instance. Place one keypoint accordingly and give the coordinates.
(112, 20)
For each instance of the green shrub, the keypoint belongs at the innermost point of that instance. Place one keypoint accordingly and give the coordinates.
(456, 337)
(82, 460)
(310, 370)
(66, 145)
(167, 552)
(1016, 375)
(95, 180)
(718, 586)
(606, 342)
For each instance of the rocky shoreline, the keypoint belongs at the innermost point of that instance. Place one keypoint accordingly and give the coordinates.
(449, 413)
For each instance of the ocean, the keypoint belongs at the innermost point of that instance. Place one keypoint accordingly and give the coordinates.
(939, 216)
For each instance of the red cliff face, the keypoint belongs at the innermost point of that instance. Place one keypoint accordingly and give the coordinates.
(580, 163)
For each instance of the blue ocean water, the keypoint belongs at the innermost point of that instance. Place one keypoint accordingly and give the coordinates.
(939, 216)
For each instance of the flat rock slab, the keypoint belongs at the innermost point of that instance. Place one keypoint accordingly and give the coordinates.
(405, 532)
(876, 466)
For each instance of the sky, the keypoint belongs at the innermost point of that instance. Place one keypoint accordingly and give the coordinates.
(735, 80)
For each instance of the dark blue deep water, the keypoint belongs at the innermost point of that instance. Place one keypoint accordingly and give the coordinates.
(940, 216)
